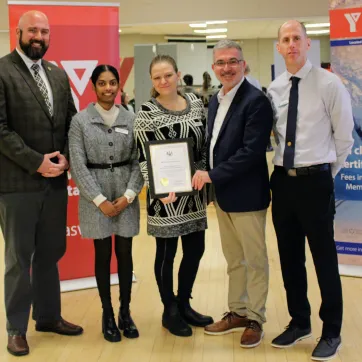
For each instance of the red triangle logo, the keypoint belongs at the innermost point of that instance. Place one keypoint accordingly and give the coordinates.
(80, 72)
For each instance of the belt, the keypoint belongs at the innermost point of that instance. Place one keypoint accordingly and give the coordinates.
(105, 166)
(305, 171)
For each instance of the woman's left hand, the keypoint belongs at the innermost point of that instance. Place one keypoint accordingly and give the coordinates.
(120, 204)
(169, 199)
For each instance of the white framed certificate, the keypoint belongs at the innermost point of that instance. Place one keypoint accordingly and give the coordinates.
(170, 167)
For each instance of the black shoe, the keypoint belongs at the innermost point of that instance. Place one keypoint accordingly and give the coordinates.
(126, 324)
(194, 318)
(291, 336)
(109, 328)
(172, 320)
(326, 348)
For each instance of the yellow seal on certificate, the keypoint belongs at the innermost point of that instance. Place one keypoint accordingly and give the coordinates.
(164, 181)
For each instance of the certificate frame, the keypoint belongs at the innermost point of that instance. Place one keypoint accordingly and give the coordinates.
(152, 173)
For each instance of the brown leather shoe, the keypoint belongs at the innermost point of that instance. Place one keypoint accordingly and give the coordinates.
(230, 322)
(252, 335)
(60, 327)
(17, 345)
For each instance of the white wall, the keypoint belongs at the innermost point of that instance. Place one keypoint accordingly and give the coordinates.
(192, 59)
(4, 44)
(257, 52)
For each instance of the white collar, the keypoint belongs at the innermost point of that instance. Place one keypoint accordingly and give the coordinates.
(302, 72)
(231, 94)
(27, 60)
(100, 109)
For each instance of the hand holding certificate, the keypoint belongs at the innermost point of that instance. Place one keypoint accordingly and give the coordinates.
(170, 167)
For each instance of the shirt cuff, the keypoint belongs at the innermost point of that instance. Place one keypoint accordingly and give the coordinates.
(130, 193)
(99, 199)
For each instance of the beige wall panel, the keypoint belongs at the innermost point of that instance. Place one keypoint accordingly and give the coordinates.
(168, 11)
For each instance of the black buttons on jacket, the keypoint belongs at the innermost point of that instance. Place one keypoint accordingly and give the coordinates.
(110, 130)
(110, 143)
(111, 157)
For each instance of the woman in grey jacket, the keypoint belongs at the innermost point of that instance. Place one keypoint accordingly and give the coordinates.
(104, 165)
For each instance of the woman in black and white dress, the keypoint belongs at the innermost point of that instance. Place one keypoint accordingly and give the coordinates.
(169, 115)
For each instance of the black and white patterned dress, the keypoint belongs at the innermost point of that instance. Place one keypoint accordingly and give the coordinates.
(154, 122)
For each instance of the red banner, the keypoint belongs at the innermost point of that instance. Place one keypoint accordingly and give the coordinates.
(345, 23)
(82, 36)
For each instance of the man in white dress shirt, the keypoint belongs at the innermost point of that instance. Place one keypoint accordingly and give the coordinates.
(313, 127)
(239, 125)
(36, 108)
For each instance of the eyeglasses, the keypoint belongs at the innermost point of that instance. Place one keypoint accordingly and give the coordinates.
(231, 63)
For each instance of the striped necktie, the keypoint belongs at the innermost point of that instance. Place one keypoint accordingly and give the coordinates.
(42, 87)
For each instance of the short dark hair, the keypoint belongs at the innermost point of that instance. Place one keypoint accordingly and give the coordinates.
(188, 79)
(99, 69)
(304, 29)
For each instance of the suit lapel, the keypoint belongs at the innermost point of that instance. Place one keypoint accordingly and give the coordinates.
(29, 80)
(234, 104)
(213, 106)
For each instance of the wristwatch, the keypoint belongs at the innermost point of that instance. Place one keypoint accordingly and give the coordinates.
(129, 199)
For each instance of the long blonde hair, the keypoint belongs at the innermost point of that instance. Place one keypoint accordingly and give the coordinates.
(162, 58)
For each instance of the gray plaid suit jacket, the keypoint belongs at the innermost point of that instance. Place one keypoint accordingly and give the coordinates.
(27, 130)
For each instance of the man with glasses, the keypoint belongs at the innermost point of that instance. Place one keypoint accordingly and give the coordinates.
(239, 124)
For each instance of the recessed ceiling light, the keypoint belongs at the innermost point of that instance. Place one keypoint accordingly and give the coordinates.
(319, 25)
(216, 22)
(216, 36)
(316, 32)
(201, 25)
(211, 31)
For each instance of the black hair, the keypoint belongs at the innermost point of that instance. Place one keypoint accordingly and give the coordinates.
(99, 69)
(207, 81)
(188, 79)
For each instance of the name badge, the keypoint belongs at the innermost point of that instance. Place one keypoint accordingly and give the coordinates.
(284, 103)
(199, 123)
(121, 130)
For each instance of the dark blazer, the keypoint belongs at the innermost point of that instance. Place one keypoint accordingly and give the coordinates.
(240, 175)
(27, 130)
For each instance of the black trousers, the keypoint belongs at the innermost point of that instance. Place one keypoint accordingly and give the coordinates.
(103, 255)
(302, 207)
(193, 247)
(34, 228)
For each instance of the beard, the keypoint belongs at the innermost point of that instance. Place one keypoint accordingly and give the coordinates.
(30, 51)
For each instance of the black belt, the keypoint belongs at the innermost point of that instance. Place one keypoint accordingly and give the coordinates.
(107, 165)
(305, 171)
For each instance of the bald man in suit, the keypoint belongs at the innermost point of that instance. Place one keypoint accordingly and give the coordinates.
(36, 108)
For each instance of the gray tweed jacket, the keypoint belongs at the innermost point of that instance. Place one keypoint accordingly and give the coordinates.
(27, 130)
(91, 141)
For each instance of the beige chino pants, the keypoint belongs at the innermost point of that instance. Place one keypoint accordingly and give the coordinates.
(244, 248)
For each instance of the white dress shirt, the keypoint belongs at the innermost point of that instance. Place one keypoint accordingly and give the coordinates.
(225, 101)
(324, 119)
(109, 117)
(42, 73)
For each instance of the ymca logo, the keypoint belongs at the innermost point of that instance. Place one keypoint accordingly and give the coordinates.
(352, 20)
(80, 83)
